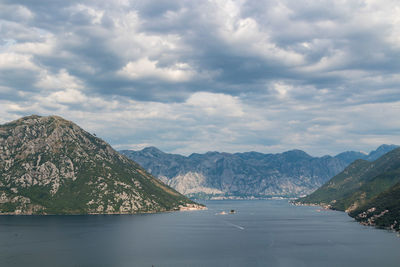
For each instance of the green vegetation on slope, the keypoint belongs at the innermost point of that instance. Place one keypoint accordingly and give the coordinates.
(358, 183)
(382, 211)
(51, 166)
(370, 192)
(339, 187)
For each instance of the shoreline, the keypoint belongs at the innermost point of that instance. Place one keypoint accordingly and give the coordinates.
(329, 208)
(188, 207)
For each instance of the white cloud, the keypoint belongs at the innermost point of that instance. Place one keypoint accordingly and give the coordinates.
(145, 68)
(132, 146)
(216, 104)
(282, 89)
(246, 35)
(17, 61)
(133, 44)
(45, 47)
(69, 96)
(61, 80)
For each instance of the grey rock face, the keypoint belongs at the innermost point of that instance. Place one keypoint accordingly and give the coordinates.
(291, 173)
(49, 165)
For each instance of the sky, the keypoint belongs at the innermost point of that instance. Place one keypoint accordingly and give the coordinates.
(195, 76)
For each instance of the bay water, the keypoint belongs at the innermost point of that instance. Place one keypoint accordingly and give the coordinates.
(260, 233)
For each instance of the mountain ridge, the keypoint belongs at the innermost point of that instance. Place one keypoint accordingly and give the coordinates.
(367, 191)
(50, 165)
(290, 173)
(361, 178)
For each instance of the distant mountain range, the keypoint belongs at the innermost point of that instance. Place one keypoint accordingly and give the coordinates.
(368, 191)
(49, 165)
(250, 174)
(350, 156)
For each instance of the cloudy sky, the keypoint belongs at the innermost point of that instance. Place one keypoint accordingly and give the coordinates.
(193, 76)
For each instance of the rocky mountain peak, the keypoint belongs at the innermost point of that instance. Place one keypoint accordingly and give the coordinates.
(152, 151)
(36, 119)
(244, 174)
(380, 151)
(296, 154)
(51, 165)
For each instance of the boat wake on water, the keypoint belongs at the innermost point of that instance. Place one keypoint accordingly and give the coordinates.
(234, 225)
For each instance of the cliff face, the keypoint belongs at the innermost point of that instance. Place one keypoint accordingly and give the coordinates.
(51, 166)
(242, 174)
(291, 173)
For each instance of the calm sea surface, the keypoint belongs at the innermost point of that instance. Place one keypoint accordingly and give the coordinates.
(261, 233)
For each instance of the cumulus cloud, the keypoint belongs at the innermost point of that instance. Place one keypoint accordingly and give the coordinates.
(216, 104)
(192, 76)
(16, 61)
(145, 68)
(61, 80)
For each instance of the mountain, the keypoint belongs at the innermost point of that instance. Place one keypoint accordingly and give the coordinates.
(358, 183)
(291, 173)
(350, 156)
(51, 166)
(369, 191)
(380, 151)
(382, 211)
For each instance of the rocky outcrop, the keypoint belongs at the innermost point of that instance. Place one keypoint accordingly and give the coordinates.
(291, 173)
(192, 184)
(51, 166)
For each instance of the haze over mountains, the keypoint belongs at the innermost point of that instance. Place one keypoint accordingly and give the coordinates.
(249, 174)
(49, 165)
